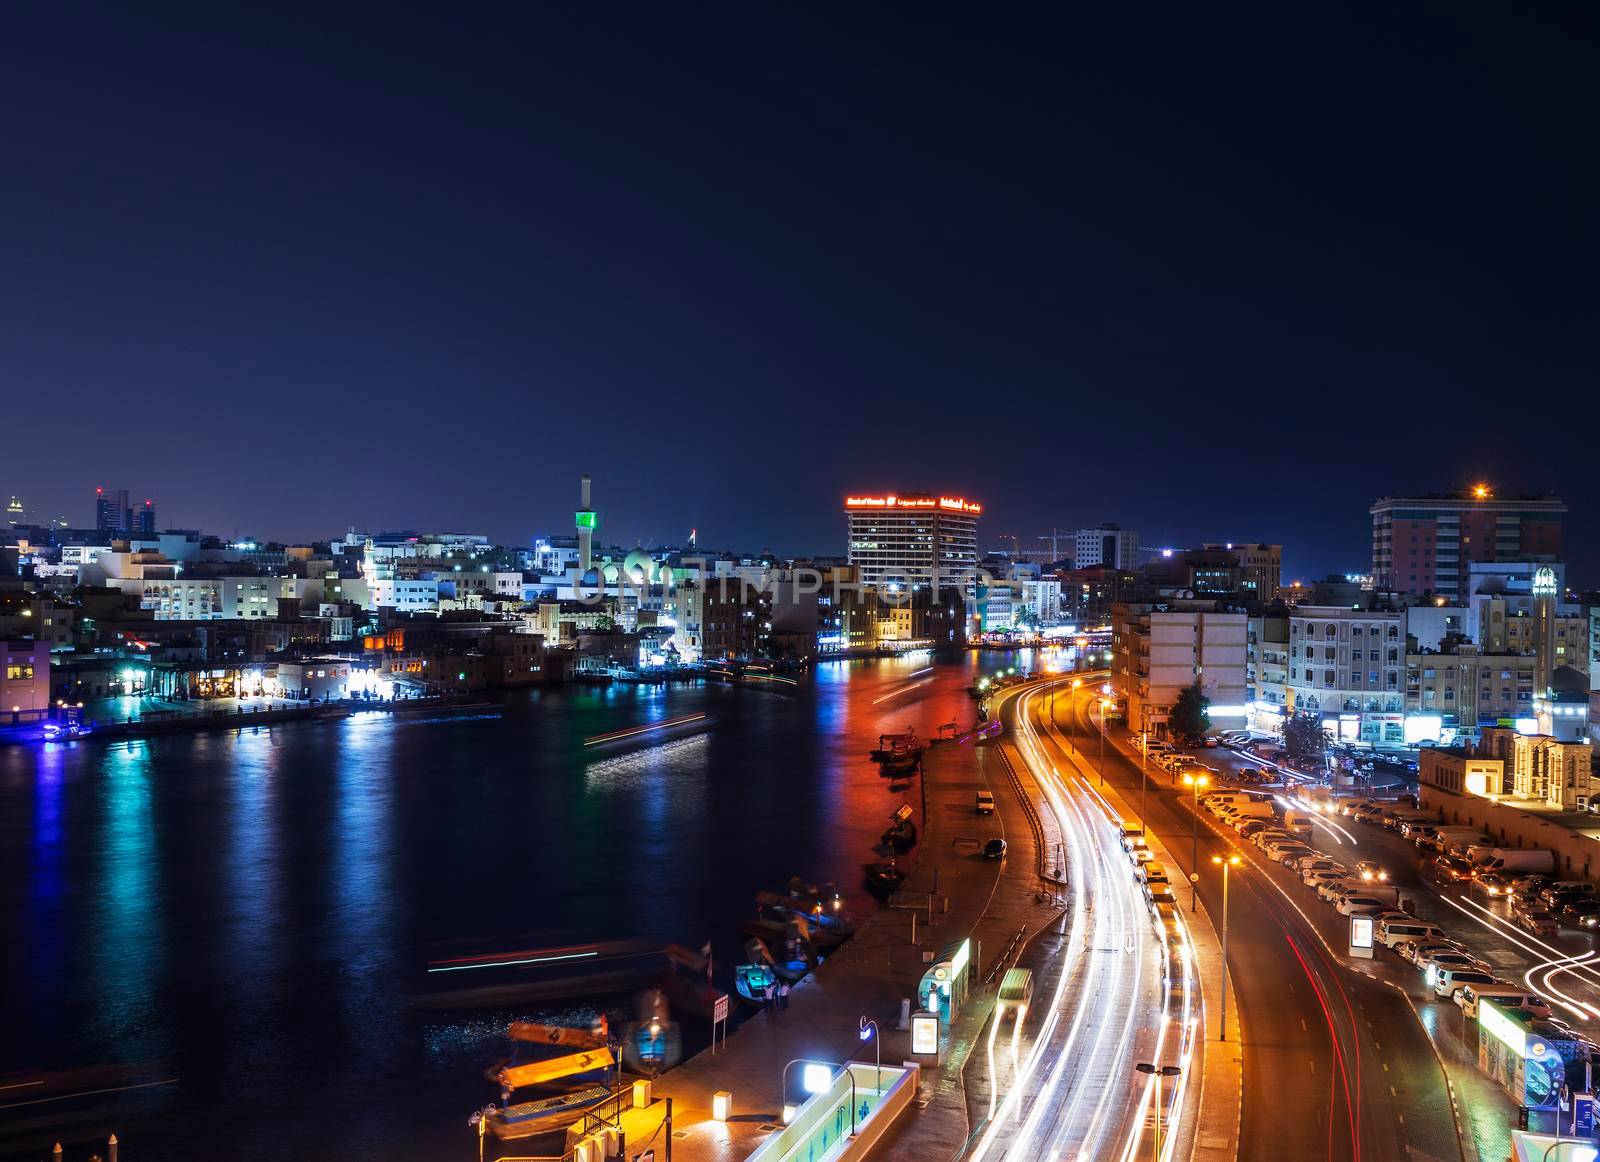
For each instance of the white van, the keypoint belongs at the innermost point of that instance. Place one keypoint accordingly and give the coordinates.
(1391, 932)
(1016, 990)
(1448, 982)
(1507, 996)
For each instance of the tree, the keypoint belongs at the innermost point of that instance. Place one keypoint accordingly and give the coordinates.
(1303, 736)
(1189, 718)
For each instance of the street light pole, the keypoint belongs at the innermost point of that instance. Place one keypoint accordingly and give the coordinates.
(1158, 1072)
(1227, 866)
(1195, 781)
(869, 1029)
(1144, 778)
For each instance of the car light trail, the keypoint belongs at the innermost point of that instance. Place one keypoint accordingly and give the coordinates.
(1576, 965)
(1072, 1111)
(1076, 1107)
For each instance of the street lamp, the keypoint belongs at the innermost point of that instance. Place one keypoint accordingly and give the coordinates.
(1105, 704)
(1158, 1071)
(869, 1032)
(1228, 865)
(1144, 778)
(1195, 781)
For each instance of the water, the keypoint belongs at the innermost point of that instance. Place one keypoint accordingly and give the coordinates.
(240, 919)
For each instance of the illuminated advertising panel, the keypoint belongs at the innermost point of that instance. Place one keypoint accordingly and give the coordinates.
(924, 1033)
(1360, 931)
(1494, 1023)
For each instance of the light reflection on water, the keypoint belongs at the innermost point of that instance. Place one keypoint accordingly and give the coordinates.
(255, 908)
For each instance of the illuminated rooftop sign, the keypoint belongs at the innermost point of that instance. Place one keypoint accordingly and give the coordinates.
(944, 503)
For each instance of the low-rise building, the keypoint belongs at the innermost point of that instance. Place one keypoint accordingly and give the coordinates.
(1160, 648)
(24, 679)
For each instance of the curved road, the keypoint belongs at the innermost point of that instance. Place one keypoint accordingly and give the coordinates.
(1070, 1090)
(1336, 1065)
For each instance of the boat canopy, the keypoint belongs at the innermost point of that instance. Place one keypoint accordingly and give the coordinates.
(555, 1068)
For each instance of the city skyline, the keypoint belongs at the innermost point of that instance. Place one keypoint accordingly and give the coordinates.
(408, 287)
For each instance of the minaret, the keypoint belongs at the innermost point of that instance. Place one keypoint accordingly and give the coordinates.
(1544, 630)
(584, 518)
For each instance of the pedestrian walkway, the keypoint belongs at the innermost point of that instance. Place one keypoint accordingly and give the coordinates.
(958, 894)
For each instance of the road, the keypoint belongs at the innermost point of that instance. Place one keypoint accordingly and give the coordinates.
(1063, 1084)
(1336, 1064)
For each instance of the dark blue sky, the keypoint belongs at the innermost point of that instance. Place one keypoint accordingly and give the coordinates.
(1212, 275)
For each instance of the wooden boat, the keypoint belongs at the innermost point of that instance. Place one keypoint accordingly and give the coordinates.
(891, 746)
(883, 879)
(789, 970)
(752, 982)
(653, 1042)
(901, 836)
(546, 1114)
(830, 920)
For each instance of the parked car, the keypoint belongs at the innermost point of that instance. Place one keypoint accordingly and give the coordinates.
(1448, 867)
(1537, 921)
(1413, 951)
(1434, 961)
(1356, 902)
(994, 849)
(1284, 852)
(1449, 981)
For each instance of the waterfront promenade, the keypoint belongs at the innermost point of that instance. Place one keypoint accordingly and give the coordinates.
(990, 902)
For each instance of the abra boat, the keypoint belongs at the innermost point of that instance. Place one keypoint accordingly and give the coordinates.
(654, 1042)
(901, 836)
(754, 982)
(560, 1088)
(884, 879)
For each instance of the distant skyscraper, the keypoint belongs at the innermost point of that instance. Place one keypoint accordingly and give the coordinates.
(111, 510)
(144, 519)
(913, 538)
(1110, 545)
(1425, 544)
(15, 513)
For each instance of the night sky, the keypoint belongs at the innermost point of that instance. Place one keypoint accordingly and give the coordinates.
(1212, 275)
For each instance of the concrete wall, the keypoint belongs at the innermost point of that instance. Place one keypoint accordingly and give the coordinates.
(1577, 852)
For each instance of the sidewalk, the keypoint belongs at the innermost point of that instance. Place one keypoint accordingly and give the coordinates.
(986, 900)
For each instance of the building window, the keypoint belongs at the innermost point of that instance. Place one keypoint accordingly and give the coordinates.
(19, 671)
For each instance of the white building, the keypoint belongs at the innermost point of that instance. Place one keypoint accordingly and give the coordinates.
(1346, 665)
(1109, 545)
(1160, 648)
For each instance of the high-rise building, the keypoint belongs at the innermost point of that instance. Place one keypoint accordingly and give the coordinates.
(913, 539)
(15, 513)
(1260, 568)
(1426, 544)
(1109, 545)
(111, 510)
(144, 518)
